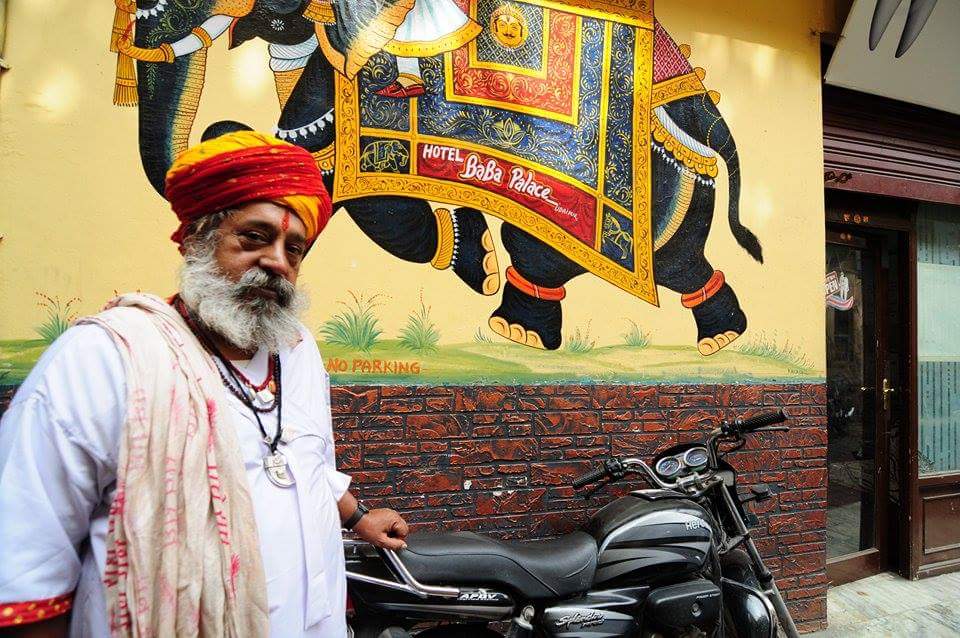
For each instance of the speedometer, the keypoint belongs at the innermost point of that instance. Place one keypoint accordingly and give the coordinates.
(696, 457)
(668, 466)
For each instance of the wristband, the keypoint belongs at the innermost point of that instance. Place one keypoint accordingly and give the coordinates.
(356, 516)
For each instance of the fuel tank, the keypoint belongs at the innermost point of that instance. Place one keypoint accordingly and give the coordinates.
(644, 541)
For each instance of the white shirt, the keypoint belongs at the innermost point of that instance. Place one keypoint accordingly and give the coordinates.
(59, 442)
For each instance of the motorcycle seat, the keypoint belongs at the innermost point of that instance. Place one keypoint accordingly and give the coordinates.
(549, 568)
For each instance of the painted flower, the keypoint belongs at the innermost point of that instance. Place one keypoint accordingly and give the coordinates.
(509, 132)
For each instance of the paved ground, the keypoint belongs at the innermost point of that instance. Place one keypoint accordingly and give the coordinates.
(888, 605)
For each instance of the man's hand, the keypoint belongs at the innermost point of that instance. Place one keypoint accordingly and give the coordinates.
(383, 528)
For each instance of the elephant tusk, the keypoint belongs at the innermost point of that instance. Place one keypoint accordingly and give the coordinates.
(287, 57)
(202, 37)
(162, 53)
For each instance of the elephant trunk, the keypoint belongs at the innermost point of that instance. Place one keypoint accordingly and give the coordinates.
(171, 65)
(169, 96)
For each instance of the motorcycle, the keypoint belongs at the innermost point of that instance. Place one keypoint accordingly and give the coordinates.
(673, 560)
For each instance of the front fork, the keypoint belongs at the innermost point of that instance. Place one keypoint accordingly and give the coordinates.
(759, 569)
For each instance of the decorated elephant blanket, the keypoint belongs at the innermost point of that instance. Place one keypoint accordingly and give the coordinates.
(543, 120)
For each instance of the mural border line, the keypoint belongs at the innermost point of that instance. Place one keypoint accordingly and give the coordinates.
(602, 134)
(642, 169)
(622, 10)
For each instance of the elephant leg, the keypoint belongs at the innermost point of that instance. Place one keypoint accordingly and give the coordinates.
(530, 312)
(466, 245)
(720, 320)
(717, 312)
(703, 131)
(682, 267)
(410, 229)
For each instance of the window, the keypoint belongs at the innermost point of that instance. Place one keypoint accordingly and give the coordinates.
(938, 337)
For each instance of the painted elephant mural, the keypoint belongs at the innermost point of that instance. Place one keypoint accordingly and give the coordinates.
(581, 125)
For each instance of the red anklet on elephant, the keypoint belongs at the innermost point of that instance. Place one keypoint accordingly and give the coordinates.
(529, 288)
(712, 287)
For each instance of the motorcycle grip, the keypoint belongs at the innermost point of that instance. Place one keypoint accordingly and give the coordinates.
(760, 420)
(595, 474)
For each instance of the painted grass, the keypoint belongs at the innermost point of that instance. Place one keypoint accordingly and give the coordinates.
(356, 326)
(770, 347)
(420, 334)
(17, 358)
(635, 337)
(509, 364)
(579, 342)
(60, 314)
(503, 363)
(481, 336)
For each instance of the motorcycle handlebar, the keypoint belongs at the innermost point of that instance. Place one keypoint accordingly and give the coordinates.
(616, 468)
(742, 426)
(612, 467)
(595, 474)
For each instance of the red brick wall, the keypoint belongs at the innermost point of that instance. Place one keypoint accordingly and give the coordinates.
(500, 459)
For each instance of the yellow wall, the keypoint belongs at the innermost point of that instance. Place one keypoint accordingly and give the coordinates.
(79, 218)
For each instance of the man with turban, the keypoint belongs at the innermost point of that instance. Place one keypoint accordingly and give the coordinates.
(168, 467)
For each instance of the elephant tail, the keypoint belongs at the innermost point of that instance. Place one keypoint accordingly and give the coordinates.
(720, 140)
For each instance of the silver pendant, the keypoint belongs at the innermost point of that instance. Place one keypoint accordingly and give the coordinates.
(275, 465)
(263, 397)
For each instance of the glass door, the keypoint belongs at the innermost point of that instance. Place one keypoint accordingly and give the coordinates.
(856, 388)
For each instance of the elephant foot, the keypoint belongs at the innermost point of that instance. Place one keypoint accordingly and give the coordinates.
(720, 321)
(716, 343)
(464, 242)
(527, 320)
(516, 333)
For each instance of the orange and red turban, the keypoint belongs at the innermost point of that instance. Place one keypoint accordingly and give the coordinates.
(246, 166)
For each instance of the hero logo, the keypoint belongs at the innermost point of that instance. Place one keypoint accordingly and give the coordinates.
(582, 618)
(695, 523)
(483, 595)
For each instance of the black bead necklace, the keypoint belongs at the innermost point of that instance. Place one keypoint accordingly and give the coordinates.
(233, 384)
(238, 392)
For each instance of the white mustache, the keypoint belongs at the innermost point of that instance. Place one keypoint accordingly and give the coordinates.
(228, 309)
(258, 278)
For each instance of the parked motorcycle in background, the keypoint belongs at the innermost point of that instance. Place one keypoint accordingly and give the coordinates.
(674, 560)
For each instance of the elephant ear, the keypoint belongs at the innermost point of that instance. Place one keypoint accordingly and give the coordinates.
(361, 29)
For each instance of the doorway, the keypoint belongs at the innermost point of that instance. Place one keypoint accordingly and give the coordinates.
(866, 366)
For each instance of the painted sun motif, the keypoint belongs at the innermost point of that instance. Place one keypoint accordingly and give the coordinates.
(509, 26)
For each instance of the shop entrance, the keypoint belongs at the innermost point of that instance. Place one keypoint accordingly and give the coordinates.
(866, 370)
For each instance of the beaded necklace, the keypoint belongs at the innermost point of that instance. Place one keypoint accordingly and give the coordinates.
(274, 463)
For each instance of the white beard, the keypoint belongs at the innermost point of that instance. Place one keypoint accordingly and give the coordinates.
(226, 308)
